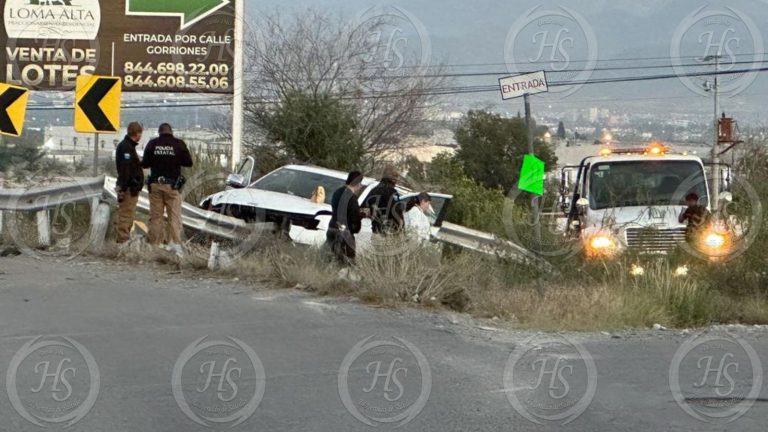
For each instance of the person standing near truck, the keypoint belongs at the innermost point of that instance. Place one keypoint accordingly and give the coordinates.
(695, 215)
(165, 156)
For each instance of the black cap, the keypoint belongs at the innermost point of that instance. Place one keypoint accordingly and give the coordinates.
(165, 128)
(354, 178)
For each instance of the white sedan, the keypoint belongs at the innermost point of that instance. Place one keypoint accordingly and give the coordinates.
(284, 197)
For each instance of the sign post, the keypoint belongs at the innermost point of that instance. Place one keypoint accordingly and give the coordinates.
(515, 87)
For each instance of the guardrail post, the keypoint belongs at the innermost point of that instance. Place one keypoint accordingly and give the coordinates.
(213, 258)
(43, 228)
(99, 226)
(94, 207)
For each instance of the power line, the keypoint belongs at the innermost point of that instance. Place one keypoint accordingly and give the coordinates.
(620, 59)
(495, 87)
(617, 68)
(504, 73)
(440, 91)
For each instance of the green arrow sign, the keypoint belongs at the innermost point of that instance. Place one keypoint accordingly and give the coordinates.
(190, 11)
(532, 175)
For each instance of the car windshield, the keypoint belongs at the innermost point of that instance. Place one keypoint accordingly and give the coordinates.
(298, 183)
(645, 183)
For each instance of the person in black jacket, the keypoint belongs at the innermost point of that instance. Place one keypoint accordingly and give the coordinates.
(383, 203)
(165, 156)
(130, 181)
(346, 219)
(695, 215)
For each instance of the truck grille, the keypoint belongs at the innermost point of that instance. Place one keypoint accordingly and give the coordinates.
(650, 239)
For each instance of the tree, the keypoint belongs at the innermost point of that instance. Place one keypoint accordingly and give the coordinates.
(324, 56)
(24, 152)
(491, 148)
(315, 129)
(561, 130)
(473, 205)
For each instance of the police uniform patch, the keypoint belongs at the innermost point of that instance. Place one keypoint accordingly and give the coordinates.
(127, 156)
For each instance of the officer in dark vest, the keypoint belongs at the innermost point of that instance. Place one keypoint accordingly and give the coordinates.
(383, 203)
(165, 156)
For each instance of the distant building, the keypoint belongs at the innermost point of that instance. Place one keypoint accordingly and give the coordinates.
(424, 149)
(64, 144)
(594, 115)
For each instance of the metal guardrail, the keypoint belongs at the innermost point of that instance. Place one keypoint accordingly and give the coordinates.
(489, 244)
(226, 227)
(215, 224)
(41, 198)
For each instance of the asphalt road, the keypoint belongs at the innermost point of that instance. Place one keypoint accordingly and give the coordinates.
(103, 347)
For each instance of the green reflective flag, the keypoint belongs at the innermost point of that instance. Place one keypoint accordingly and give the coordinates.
(532, 175)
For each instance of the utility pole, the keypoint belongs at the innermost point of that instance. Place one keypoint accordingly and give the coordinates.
(715, 195)
(239, 86)
(535, 199)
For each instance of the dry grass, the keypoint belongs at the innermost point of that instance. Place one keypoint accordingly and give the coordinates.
(585, 296)
(140, 253)
(486, 288)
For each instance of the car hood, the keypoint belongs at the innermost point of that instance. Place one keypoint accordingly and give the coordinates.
(267, 200)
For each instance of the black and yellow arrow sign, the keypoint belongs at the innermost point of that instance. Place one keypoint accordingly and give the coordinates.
(13, 109)
(97, 104)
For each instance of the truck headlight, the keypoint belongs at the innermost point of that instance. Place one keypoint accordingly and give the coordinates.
(714, 240)
(601, 244)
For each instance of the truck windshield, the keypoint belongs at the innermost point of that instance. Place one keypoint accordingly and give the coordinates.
(645, 183)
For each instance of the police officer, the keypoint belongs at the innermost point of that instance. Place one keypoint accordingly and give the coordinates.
(165, 156)
(384, 205)
(130, 181)
(346, 219)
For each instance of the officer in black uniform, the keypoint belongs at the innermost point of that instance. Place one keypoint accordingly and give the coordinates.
(165, 156)
(130, 181)
(346, 219)
(383, 203)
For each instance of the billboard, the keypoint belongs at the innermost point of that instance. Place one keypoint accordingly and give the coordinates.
(153, 45)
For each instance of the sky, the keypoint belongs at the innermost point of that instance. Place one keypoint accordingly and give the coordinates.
(585, 36)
